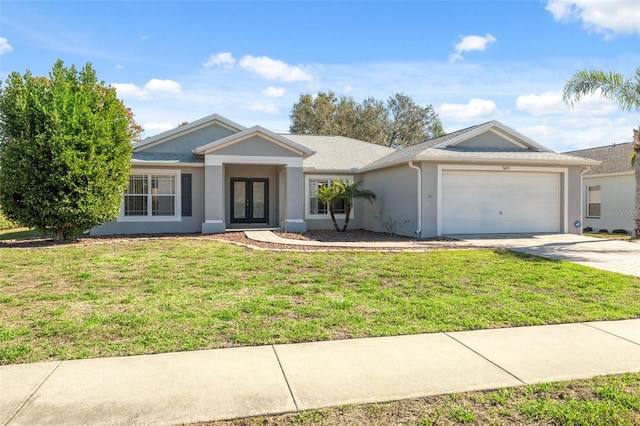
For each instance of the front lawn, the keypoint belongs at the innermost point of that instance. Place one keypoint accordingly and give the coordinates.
(142, 296)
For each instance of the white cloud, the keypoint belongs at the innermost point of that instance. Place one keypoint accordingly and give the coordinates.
(562, 133)
(547, 103)
(470, 43)
(223, 59)
(475, 109)
(607, 17)
(119, 67)
(143, 36)
(268, 108)
(273, 69)
(5, 47)
(128, 90)
(164, 86)
(273, 92)
(152, 128)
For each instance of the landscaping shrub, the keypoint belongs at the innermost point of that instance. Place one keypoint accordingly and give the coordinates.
(603, 231)
(620, 231)
(588, 229)
(6, 223)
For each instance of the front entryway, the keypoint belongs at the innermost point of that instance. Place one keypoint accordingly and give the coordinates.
(249, 200)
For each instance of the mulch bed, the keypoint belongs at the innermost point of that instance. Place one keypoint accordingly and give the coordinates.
(241, 239)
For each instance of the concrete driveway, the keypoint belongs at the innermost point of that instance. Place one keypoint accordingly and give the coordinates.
(610, 255)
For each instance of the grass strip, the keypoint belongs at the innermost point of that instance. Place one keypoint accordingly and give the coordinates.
(605, 400)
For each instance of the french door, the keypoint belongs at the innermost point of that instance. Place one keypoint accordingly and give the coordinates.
(249, 200)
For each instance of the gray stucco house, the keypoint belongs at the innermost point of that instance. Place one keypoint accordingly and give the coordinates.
(609, 188)
(213, 174)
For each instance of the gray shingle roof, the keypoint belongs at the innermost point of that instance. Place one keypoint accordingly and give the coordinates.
(345, 155)
(615, 158)
(338, 153)
(478, 156)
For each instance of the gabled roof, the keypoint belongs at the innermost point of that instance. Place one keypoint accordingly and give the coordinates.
(517, 139)
(255, 131)
(453, 135)
(444, 149)
(615, 158)
(187, 128)
(338, 153)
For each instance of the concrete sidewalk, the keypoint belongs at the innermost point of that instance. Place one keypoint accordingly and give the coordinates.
(238, 382)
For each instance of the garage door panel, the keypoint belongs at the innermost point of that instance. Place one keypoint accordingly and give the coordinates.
(500, 202)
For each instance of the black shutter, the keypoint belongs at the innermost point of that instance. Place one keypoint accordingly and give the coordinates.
(186, 194)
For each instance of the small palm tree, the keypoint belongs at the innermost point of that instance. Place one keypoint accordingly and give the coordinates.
(343, 190)
(624, 91)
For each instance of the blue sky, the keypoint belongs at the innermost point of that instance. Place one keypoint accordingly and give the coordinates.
(474, 61)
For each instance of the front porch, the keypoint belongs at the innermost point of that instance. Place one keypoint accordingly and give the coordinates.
(253, 196)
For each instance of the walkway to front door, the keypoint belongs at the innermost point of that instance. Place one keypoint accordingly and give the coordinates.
(249, 200)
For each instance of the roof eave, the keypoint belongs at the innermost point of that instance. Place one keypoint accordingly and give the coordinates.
(331, 171)
(493, 160)
(165, 163)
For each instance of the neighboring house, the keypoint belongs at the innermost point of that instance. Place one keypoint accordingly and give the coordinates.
(609, 189)
(213, 174)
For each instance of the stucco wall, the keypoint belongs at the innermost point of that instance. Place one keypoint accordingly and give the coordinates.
(487, 140)
(617, 204)
(185, 143)
(395, 208)
(429, 200)
(185, 225)
(574, 200)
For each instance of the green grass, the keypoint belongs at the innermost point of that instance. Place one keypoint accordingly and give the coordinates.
(604, 400)
(21, 234)
(148, 296)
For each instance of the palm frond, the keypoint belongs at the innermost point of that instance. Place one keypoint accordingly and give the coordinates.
(625, 92)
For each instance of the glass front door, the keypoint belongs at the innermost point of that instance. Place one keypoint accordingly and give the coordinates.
(249, 200)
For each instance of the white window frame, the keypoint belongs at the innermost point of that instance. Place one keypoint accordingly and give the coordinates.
(307, 196)
(589, 202)
(149, 217)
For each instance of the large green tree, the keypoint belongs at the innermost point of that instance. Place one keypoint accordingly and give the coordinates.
(625, 92)
(65, 150)
(397, 122)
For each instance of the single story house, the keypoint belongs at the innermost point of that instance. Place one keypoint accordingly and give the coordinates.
(213, 174)
(609, 188)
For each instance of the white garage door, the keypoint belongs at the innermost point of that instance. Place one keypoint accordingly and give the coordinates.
(482, 202)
